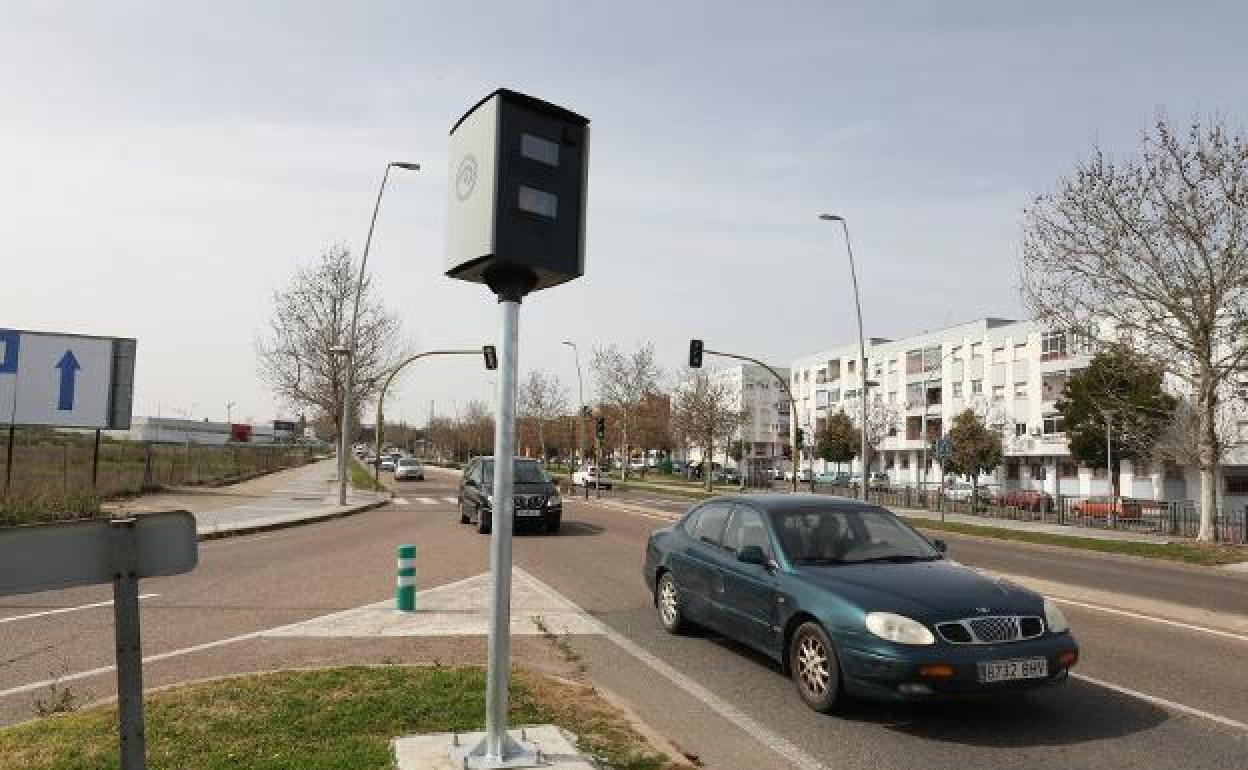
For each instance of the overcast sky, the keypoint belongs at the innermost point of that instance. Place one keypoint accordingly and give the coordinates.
(165, 166)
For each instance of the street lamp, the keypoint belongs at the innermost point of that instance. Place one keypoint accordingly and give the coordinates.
(355, 317)
(580, 396)
(229, 411)
(862, 348)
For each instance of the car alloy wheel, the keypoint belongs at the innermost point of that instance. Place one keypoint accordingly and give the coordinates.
(667, 601)
(814, 668)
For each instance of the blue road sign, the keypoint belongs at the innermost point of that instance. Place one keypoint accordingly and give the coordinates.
(10, 340)
(68, 366)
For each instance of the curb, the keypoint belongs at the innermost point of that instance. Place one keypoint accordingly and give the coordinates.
(276, 525)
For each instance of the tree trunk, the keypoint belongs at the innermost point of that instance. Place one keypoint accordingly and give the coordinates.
(541, 440)
(1207, 451)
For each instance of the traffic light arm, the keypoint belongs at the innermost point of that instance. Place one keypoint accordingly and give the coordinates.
(385, 386)
(784, 383)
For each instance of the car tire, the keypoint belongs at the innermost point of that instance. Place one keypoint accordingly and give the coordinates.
(483, 524)
(667, 603)
(553, 523)
(815, 670)
(463, 514)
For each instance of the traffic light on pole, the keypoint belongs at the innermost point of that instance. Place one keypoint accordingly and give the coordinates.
(695, 354)
(600, 429)
(801, 438)
(491, 357)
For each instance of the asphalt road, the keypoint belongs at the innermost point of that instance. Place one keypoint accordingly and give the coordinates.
(711, 697)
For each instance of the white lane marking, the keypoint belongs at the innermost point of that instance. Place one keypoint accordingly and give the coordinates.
(426, 501)
(747, 724)
(1153, 619)
(451, 500)
(399, 501)
(1167, 704)
(63, 610)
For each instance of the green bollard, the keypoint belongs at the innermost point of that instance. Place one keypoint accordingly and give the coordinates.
(405, 582)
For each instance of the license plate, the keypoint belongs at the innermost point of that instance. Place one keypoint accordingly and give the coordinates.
(1010, 670)
(528, 512)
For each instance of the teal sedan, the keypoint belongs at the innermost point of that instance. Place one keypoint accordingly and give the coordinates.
(852, 602)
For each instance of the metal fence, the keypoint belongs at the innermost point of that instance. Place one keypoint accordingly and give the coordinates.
(41, 467)
(1170, 518)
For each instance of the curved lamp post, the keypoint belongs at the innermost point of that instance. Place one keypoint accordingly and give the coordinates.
(355, 317)
(862, 350)
(580, 397)
(381, 395)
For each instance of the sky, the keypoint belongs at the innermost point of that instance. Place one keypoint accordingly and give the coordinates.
(164, 167)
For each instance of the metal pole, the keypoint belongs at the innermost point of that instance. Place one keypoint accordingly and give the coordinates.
(1109, 454)
(498, 749)
(8, 462)
(129, 652)
(862, 362)
(95, 461)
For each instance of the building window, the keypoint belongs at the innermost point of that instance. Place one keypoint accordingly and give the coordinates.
(905, 462)
(1054, 425)
(998, 392)
(1011, 471)
(821, 376)
(955, 351)
(1237, 486)
(977, 350)
(1067, 470)
(957, 390)
(1052, 346)
(892, 366)
(1020, 429)
(1020, 390)
(892, 396)
(977, 387)
(914, 362)
(1037, 472)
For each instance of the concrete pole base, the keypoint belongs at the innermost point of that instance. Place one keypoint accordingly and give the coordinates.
(545, 746)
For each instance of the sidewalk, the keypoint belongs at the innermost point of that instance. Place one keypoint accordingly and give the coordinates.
(1063, 530)
(296, 496)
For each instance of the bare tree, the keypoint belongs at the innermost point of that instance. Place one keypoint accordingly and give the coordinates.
(1153, 252)
(704, 414)
(542, 400)
(624, 381)
(882, 421)
(312, 317)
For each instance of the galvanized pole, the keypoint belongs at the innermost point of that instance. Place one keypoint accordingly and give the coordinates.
(129, 653)
(8, 462)
(95, 462)
(498, 749)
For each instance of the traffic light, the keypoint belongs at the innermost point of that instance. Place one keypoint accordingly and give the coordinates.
(801, 438)
(600, 429)
(491, 357)
(695, 354)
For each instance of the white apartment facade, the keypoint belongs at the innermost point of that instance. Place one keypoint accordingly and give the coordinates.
(1011, 373)
(764, 433)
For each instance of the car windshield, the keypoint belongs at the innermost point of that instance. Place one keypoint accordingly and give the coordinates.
(408, 463)
(526, 472)
(848, 536)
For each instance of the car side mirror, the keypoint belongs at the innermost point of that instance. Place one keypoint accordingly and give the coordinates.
(752, 554)
(940, 545)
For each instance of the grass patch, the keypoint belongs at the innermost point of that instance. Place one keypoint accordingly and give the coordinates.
(362, 478)
(42, 506)
(334, 719)
(1190, 553)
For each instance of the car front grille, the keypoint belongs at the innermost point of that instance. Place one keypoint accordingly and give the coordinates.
(991, 629)
(529, 502)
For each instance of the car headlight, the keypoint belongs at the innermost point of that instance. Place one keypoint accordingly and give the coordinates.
(554, 500)
(1053, 618)
(898, 628)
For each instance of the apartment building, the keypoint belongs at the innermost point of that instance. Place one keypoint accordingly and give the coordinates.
(1009, 372)
(765, 432)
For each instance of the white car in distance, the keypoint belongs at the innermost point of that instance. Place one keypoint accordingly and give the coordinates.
(588, 476)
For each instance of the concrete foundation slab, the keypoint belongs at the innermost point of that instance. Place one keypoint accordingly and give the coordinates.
(441, 751)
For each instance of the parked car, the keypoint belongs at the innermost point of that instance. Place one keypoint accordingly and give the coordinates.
(1103, 507)
(727, 476)
(409, 469)
(803, 474)
(1026, 499)
(588, 476)
(387, 464)
(851, 601)
(536, 498)
(962, 491)
(776, 474)
(880, 479)
(836, 478)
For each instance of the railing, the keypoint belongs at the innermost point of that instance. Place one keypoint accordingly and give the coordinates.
(1168, 518)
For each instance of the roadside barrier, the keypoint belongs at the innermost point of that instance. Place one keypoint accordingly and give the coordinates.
(405, 581)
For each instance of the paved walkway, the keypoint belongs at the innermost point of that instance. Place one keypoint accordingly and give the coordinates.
(1062, 530)
(276, 500)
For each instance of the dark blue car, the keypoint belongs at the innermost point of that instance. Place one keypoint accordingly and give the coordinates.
(851, 601)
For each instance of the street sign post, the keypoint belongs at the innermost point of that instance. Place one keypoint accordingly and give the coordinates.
(80, 553)
(64, 381)
(519, 169)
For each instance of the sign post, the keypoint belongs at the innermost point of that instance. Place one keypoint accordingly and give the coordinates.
(79, 553)
(516, 222)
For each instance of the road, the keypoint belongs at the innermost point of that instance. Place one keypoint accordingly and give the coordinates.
(1155, 694)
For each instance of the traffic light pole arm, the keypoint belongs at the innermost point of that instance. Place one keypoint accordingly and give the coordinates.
(784, 383)
(385, 386)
